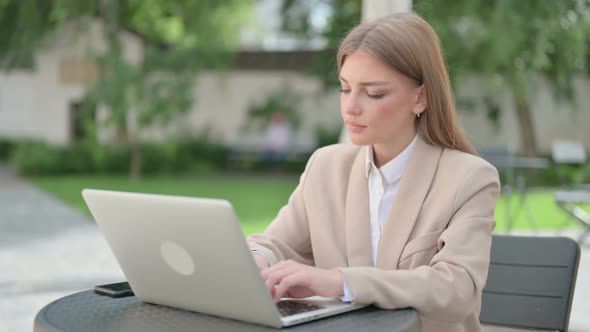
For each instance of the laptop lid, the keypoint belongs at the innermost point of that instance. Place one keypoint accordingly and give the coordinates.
(188, 253)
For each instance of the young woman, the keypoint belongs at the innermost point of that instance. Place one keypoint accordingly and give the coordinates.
(403, 217)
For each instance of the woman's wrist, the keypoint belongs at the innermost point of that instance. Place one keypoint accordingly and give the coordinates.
(338, 283)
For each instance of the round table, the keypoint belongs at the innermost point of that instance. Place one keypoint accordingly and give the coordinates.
(87, 311)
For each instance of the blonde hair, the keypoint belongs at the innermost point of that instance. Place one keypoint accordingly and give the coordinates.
(409, 45)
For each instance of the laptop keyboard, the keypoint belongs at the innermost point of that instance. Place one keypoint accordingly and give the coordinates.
(290, 307)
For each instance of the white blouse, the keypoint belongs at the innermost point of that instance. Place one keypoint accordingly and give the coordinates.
(383, 187)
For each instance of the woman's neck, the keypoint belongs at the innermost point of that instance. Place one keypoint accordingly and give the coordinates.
(384, 153)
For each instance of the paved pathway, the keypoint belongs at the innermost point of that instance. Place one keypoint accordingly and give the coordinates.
(47, 251)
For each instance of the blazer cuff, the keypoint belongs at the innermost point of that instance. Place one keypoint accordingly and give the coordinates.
(355, 278)
(270, 256)
(257, 252)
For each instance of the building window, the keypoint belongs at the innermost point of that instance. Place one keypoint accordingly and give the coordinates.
(78, 71)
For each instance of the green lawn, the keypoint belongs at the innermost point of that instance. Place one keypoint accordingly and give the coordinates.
(258, 199)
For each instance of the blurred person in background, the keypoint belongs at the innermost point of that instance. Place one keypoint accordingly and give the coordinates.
(277, 139)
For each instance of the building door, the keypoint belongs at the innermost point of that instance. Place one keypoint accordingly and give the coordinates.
(82, 121)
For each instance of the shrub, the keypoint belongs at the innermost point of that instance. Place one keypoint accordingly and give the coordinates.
(328, 136)
(188, 155)
(36, 158)
(6, 149)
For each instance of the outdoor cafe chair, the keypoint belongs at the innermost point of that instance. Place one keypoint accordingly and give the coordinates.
(570, 198)
(513, 170)
(531, 283)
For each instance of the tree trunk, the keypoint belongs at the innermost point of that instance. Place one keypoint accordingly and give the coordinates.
(528, 139)
(121, 136)
(135, 160)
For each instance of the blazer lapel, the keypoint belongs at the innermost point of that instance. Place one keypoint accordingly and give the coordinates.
(406, 206)
(358, 223)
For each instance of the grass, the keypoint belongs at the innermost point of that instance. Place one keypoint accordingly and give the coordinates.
(544, 213)
(258, 199)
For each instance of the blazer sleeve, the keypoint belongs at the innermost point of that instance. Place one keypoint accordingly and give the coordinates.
(450, 286)
(287, 237)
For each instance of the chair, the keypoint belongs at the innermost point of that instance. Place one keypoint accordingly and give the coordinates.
(568, 153)
(531, 282)
(501, 156)
(504, 158)
(570, 197)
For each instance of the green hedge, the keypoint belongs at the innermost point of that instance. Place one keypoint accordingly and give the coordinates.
(190, 156)
(6, 149)
(38, 158)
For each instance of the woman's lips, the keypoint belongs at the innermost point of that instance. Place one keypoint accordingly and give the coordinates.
(354, 127)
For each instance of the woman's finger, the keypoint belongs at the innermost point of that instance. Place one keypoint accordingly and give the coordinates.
(274, 277)
(279, 266)
(298, 279)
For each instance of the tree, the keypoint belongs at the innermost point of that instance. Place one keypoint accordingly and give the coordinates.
(180, 38)
(344, 15)
(509, 44)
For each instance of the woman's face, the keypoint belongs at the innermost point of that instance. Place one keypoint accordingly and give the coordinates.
(378, 104)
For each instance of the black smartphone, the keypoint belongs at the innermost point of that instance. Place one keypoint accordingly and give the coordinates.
(120, 289)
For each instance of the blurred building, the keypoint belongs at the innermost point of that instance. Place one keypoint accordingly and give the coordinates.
(41, 103)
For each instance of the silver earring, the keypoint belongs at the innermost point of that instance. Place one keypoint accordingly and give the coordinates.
(417, 115)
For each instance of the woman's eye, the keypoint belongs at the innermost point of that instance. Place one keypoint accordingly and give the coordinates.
(342, 90)
(375, 96)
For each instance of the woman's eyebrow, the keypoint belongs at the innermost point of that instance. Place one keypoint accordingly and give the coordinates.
(371, 83)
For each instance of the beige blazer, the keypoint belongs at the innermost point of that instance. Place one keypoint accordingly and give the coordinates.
(434, 251)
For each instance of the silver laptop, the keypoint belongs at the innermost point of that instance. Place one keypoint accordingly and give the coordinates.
(190, 253)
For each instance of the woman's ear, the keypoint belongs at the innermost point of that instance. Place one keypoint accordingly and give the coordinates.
(421, 101)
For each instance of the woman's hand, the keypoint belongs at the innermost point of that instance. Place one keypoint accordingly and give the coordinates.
(292, 279)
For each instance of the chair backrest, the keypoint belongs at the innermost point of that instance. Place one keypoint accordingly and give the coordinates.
(501, 156)
(568, 152)
(531, 282)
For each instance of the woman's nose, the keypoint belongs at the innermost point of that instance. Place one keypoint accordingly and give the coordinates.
(351, 106)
